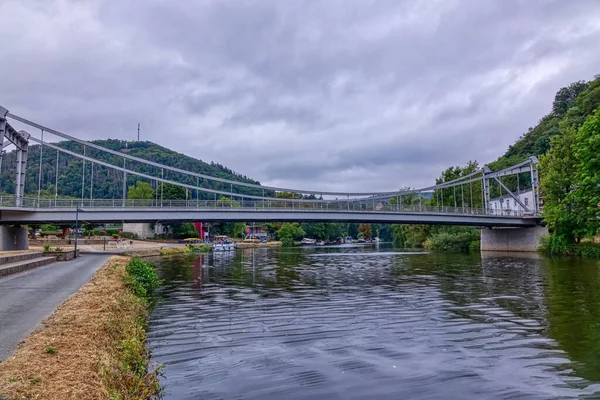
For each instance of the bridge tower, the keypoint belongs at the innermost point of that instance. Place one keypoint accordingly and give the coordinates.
(21, 142)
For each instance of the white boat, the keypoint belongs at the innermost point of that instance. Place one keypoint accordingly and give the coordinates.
(308, 242)
(349, 240)
(223, 243)
(320, 243)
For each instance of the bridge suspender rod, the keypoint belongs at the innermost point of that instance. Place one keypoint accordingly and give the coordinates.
(454, 196)
(462, 197)
(56, 177)
(40, 171)
(124, 196)
(83, 176)
(92, 183)
(162, 173)
(471, 190)
(483, 195)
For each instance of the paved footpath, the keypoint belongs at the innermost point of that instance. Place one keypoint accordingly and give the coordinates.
(29, 297)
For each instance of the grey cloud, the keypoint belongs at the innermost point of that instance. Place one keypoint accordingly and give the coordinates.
(343, 94)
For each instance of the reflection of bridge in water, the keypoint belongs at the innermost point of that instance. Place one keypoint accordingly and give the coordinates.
(312, 205)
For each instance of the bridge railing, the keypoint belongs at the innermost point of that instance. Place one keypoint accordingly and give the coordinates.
(275, 204)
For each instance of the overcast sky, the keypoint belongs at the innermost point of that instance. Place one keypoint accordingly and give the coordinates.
(329, 95)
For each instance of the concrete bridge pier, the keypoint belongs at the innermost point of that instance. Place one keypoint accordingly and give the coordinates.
(512, 239)
(13, 238)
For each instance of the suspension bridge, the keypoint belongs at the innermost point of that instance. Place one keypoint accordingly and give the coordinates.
(394, 206)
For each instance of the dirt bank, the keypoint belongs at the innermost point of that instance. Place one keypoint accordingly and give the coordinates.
(91, 347)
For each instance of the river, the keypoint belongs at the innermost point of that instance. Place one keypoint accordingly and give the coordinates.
(362, 322)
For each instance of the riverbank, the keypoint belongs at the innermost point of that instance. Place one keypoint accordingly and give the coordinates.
(92, 346)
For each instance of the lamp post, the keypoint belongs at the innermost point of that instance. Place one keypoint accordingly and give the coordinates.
(76, 229)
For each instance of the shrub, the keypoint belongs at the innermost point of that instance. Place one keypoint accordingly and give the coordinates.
(50, 233)
(129, 235)
(58, 249)
(111, 232)
(115, 235)
(451, 242)
(47, 247)
(141, 277)
(587, 249)
(199, 248)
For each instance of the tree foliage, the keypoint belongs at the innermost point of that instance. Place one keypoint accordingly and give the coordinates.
(290, 232)
(141, 190)
(571, 175)
(184, 230)
(365, 230)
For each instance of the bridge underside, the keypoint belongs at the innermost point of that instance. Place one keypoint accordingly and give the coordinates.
(32, 216)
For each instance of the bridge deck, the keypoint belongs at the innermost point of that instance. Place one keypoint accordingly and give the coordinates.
(13, 215)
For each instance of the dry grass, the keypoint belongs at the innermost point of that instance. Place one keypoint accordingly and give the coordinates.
(158, 251)
(91, 347)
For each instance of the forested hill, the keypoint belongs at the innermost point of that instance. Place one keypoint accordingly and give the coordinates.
(571, 106)
(107, 183)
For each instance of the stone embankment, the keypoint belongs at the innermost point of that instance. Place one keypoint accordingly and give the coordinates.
(15, 263)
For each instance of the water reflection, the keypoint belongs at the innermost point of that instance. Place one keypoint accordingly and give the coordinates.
(361, 322)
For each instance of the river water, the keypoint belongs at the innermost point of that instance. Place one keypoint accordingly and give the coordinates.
(368, 322)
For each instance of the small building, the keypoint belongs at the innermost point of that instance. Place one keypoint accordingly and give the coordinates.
(256, 232)
(507, 205)
(142, 229)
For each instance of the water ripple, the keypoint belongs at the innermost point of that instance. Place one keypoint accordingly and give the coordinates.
(324, 323)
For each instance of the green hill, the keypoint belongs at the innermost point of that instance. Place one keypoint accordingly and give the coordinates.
(571, 106)
(108, 182)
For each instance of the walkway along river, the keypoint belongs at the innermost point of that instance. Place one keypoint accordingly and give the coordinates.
(361, 322)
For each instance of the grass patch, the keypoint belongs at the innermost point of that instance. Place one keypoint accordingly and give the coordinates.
(101, 334)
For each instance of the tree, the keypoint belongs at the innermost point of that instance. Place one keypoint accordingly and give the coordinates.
(226, 202)
(141, 190)
(288, 195)
(238, 229)
(288, 232)
(560, 213)
(365, 230)
(461, 195)
(315, 230)
(171, 192)
(566, 97)
(411, 235)
(587, 154)
(184, 230)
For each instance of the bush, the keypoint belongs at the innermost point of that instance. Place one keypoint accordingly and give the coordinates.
(141, 278)
(115, 235)
(58, 249)
(112, 232)
(451, 242)
(129, 235)
(587, 249)
(47, 247)
(475, 246)
(50, 233)
(199, 248)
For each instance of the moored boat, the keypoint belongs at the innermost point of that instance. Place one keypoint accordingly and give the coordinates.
(223, 243)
